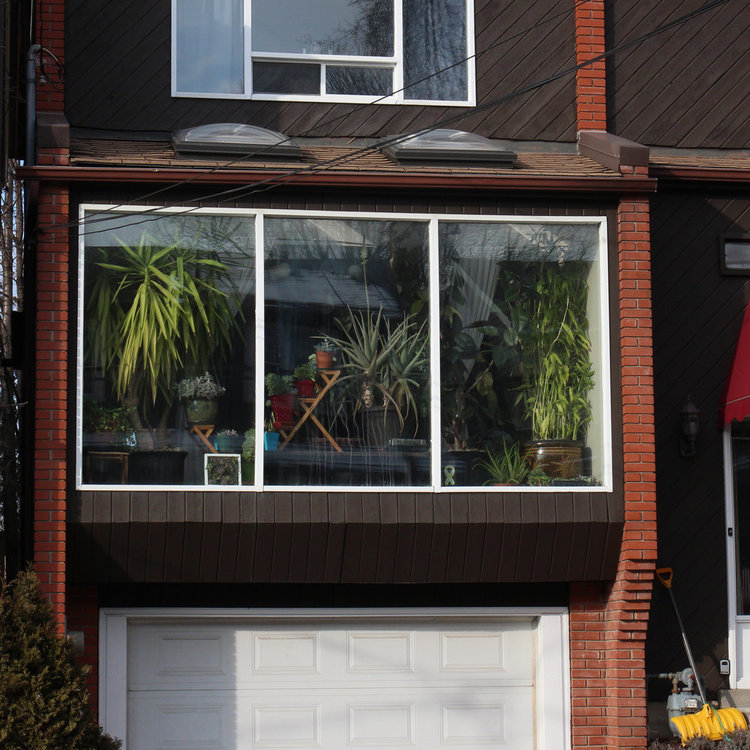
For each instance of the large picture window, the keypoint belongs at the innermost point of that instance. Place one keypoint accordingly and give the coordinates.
(336, 50)
(263, 348)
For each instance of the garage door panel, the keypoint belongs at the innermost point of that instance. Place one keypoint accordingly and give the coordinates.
(442, 683)
(466, 717)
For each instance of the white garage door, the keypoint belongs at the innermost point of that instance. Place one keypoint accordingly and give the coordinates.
(236, 685)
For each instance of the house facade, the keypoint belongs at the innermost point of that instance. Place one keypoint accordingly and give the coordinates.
(432, 181)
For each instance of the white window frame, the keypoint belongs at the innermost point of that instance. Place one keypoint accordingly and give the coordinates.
(551, 632)
(395, 63)
(602, 363)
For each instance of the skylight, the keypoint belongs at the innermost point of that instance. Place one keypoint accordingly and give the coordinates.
(450, 145)
(234, 138)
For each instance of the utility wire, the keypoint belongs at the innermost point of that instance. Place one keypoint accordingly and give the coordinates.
(354, 109)
(280, 179)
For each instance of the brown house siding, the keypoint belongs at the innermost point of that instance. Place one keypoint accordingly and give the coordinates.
(698, 315)
(109, 85)
(687, 87)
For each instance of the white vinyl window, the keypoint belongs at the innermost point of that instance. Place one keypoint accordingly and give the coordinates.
(393, 51)
(467, 351)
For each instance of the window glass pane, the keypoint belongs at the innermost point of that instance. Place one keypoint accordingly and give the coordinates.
(209, 46)
(362, 287)
(329, 27)
(167, 299)
(342, 79)
(286, 78)
(521, 347)
(435, 39)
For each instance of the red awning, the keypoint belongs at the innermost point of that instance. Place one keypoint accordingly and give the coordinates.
(736, 401)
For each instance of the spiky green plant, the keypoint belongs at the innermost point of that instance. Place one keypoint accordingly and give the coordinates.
(154, 310)
(505, 466)
(386, 359)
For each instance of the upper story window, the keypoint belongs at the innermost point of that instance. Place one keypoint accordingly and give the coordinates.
(397, 51)
(466, 352)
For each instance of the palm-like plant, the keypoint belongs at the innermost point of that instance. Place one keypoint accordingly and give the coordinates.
(153, 310)
(387, 361)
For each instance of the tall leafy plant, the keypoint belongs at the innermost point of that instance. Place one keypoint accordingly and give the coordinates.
(548, 303)
(153, 311)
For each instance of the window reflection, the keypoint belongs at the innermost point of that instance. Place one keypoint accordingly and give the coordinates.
(360, 287)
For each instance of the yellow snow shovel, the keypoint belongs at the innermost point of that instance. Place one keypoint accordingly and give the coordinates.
(709, 722)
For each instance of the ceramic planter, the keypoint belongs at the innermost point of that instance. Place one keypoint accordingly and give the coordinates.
(201, 410)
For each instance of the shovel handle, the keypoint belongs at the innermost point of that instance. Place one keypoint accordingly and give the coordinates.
(665, 576)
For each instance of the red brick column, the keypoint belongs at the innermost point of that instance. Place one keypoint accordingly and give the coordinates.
(50, 34)
(83, 616)
(608, 622)
(51, 396)
(591, 94)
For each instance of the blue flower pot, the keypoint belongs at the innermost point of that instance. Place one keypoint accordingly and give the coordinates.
(271, 441)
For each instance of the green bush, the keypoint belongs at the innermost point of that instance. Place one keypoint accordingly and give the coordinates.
(43, 695)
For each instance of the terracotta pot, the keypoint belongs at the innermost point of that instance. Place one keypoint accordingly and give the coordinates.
(324, 360)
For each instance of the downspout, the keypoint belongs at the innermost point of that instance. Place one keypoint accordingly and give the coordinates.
(31, 58)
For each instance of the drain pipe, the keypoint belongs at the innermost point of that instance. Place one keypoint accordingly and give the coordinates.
(31, 59)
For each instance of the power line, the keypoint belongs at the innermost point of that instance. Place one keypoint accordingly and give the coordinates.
(279, 179)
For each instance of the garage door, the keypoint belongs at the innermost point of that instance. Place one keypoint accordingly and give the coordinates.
(231, 685)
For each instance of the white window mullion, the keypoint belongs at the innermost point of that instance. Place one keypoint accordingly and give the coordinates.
(323, 89)
(436, 477)
(260, 344)
(471, 92)
(248, 37)
(398, 49)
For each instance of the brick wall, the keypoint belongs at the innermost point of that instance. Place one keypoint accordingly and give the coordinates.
(608, 622)
(51, 395)
(49, 32)
(83, 616)
(591, 99)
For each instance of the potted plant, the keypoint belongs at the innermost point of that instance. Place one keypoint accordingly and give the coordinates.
(281, 397)
(248, 457)
(325, 351)
(227, 441)
(556, 369)
(158, 309)
(271, 435)
(386, 364)
(107, 425)
(199, 395)
(304, 378)
(506, 466)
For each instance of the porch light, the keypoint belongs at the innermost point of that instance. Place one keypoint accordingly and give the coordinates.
(689, 427)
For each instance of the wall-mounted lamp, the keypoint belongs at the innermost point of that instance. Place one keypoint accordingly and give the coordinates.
(690, 423)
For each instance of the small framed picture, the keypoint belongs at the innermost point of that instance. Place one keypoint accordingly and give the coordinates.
(222, 468)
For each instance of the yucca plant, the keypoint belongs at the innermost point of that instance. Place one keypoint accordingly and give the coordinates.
(154, 311)
(386, 361)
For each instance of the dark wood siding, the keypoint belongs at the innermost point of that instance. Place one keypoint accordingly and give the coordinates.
(686, 87)
(340, 537)
(118, 77)
(697, 317)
